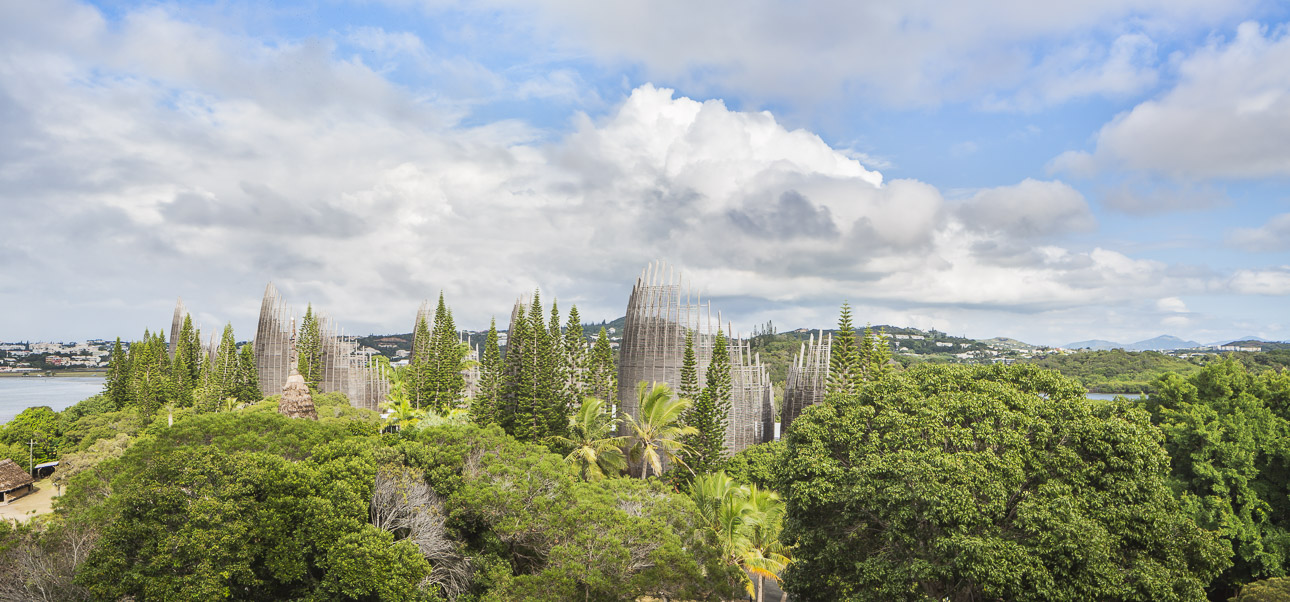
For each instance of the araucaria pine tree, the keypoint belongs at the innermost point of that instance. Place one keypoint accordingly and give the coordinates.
(116, 387)
(309, 351)
(484, 409)
(530, 420)
(151, 384)
(419, 384)
(186, 366)
(710, 412)
(515, 404)
(552, 405)
(575, 357)
(602, 376)
(689, 370)
(445, 377)
(878, 364)
(559, 362)
(845, 368)
(866, 351)
(226, 365)
(534, 407)
(247, 389)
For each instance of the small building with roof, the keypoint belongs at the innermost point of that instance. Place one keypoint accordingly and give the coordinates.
(14, 481)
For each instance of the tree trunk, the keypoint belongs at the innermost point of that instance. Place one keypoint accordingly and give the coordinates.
(761, 586)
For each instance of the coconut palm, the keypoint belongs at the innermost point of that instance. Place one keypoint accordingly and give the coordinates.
(746, 522)
(402, 413)
(764, 555)
(595, 452)
(658, 432)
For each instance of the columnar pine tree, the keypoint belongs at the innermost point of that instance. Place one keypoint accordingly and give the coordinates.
(533, 405)
(879, 357)
(247, 389)
(689, 370)
(186, 368)
(559, 401)
(845, 370)
(602, 376)
(484, 410)
(515, 403)
(711, 412)
(550, 411)
(183, 387)
(151, 385)
(226, 366)
(532, 418)
(309, 351)
(865, 352)
(420, 386)
(446, 380)
(575, 353)
(189, 346)
(117, 384)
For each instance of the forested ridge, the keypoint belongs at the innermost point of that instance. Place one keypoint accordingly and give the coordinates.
(933, 482)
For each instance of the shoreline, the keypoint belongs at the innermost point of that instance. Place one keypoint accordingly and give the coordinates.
(53, 374)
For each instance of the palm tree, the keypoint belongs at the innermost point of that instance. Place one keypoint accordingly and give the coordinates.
(594, 451)
(764, 555)
(402, 413)
(658, 432)
(746, 522)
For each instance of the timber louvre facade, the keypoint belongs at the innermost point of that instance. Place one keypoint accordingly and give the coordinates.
(807, 378)
(660, 312)
(344, 369)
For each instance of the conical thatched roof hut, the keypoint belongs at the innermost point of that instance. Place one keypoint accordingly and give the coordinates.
(296, 401)
(14, 481)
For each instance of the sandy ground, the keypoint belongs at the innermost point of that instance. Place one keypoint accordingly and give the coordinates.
(40, 501)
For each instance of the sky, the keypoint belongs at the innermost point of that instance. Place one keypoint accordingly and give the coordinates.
(1051, 172)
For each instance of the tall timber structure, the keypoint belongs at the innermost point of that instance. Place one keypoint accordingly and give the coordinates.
(344, 368)
(660, 313)
(807, 378)
(273, 340)
(176, 324)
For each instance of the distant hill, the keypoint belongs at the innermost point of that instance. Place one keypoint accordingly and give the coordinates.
(1160, 343)
(1094, 344)
(1008, 343)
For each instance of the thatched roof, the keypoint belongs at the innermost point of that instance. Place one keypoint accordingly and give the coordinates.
(296, 402)
(12, 476)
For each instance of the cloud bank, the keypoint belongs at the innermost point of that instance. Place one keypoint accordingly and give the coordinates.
(157, 157)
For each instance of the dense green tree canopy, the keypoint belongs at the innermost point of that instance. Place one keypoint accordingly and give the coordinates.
(248, 504)
(1228, 433)
(985, 483)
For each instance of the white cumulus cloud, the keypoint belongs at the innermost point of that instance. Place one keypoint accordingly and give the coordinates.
(1227, 117)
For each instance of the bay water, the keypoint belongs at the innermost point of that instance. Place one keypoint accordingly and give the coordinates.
(18, 393)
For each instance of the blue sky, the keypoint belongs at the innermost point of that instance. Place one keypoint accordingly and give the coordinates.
(1110, 169)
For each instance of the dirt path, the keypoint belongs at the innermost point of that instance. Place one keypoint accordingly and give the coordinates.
(40, 501)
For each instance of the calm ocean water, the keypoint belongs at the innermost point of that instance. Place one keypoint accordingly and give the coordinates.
(20, 393)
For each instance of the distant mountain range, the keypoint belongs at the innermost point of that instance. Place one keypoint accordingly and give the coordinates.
(1160, 343)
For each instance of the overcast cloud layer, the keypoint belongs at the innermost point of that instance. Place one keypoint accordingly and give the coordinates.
(161, 151)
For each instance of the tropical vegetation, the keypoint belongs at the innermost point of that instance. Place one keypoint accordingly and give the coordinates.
(936, 482)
